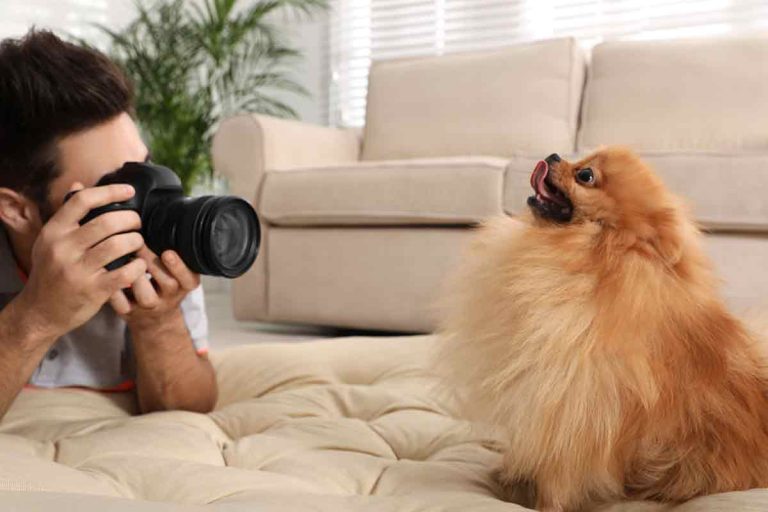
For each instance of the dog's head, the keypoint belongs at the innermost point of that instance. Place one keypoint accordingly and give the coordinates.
(611, 187)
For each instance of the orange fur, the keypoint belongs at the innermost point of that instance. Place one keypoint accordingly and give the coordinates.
(603, 349)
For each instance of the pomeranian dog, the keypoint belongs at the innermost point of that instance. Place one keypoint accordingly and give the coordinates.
(592, 333)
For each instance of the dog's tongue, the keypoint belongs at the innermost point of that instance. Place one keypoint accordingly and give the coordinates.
(537, 179)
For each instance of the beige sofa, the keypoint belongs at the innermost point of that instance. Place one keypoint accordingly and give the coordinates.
(355, 424)
(360, 228)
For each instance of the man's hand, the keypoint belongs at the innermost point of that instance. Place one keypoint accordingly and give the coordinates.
(157, 299)
(170, 374)
(68, 283)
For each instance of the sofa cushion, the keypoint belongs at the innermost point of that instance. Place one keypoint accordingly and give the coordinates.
(520, 99)
(726, 192)
(397, 192)
(705, 94)
(385, 278)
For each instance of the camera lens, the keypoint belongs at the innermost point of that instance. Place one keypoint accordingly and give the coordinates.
(227, 232)
(214, 235)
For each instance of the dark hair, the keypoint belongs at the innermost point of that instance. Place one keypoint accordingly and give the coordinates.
(49, 89)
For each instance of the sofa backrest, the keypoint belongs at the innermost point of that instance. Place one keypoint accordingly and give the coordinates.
(520, 100)
(690, 95)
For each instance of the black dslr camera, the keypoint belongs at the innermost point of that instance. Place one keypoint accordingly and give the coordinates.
(214, 235)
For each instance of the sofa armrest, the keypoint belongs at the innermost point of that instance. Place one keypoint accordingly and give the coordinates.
(246, 146)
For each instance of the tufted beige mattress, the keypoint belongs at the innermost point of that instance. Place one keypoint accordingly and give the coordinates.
(332, 425)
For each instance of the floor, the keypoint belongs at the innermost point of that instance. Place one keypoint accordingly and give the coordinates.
(225, 331)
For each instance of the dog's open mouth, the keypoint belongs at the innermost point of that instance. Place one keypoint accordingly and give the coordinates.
(548, 201)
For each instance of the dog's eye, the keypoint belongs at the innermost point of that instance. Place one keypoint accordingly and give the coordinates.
(585, 176)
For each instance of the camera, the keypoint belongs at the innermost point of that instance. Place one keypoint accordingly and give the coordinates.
(213, 235)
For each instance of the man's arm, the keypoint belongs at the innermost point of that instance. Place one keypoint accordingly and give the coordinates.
(67, 282)
(170, 374)
(22, 347)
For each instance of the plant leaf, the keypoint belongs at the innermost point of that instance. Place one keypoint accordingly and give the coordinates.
(194, 63)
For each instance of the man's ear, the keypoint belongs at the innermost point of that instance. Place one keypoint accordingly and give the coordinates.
(18, 212)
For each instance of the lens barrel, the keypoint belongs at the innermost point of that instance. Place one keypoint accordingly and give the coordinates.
(214, 235)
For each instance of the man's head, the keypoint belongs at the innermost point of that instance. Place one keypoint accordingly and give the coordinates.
(64, 119)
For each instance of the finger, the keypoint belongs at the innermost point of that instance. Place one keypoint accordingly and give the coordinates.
(123, 277)
(74, 187)
(111, 249)
(85, 200)
(106, 225)
(165, 281)
(120, 303)
(187, 279)
(144, 293)
(146, 254)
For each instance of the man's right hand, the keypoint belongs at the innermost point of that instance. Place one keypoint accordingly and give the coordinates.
(68, 283)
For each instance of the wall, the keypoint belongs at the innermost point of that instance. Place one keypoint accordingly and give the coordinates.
(67, 17)
(312, 71)
(77, 17)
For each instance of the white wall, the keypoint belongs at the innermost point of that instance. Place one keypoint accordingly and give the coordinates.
(312, 71)
(73, 17)
(77, 17)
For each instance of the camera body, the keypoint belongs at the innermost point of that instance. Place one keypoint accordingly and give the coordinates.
(150, 181)
(214, 235)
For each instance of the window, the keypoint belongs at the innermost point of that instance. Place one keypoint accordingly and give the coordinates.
(66, 17)
(366, 30)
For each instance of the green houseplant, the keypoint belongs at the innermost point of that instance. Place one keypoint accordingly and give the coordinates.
(194, 63)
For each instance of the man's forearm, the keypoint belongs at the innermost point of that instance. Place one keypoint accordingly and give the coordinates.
(22, 347)
(170, 374)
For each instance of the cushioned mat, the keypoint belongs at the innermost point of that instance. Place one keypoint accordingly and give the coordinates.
(345, 424)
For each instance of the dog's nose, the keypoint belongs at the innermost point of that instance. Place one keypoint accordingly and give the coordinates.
(552, 159)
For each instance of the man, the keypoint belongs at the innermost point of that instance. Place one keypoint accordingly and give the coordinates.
(65, 121)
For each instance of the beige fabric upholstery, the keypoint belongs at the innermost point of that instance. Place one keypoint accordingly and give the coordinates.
(322, 425)
(352, 424)
(706, 94)
(376, 278)
(40, 501)
(395, 192)
(740, 260)
(521, 99)
(725, 191)
(245, 146)
(695, 110)
(753, 501)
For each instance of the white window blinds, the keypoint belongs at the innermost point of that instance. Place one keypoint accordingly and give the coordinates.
(66, 17)
(366, 30)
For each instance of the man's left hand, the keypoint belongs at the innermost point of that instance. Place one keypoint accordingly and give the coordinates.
(156, 299)
(169, 373)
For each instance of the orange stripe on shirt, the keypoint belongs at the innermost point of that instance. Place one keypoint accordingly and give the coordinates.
(126, 385)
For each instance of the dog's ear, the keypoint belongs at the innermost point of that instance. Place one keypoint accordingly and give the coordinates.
(667, 238)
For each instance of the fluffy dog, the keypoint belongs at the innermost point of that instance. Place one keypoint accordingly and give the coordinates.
(592, 332)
